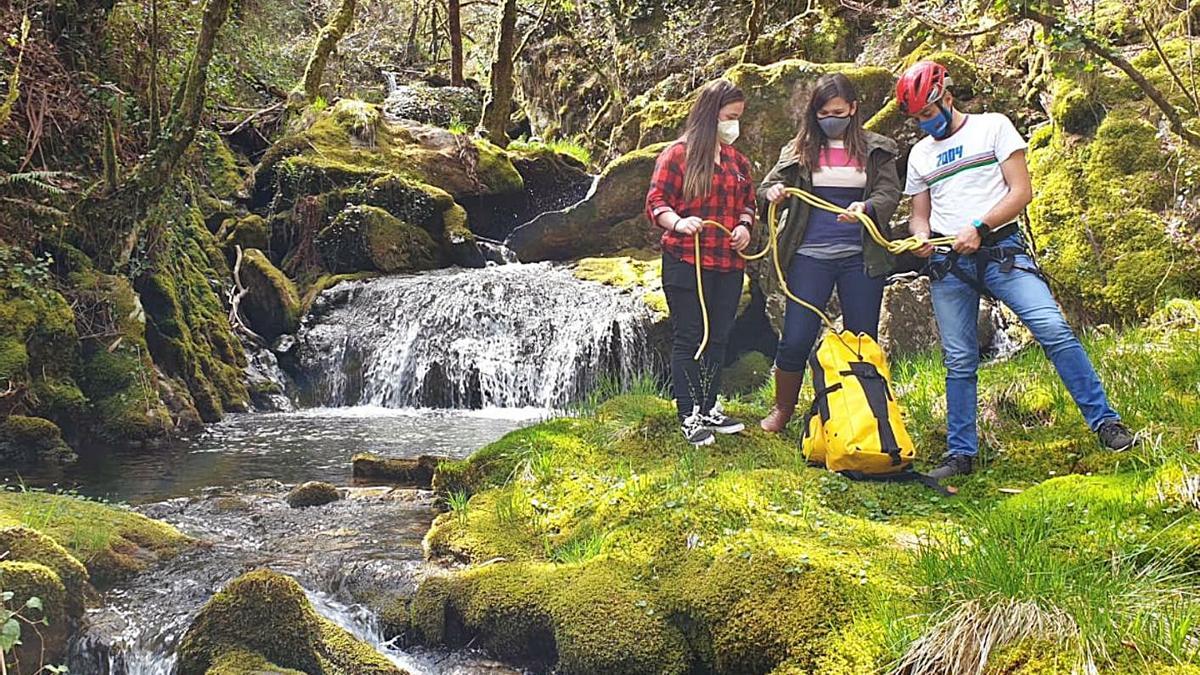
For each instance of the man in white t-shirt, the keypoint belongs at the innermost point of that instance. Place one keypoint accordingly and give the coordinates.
(968, 180)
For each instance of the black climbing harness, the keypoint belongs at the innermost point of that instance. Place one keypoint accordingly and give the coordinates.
(990, 252)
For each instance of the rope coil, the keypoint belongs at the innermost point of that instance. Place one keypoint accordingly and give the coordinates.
(895, 247)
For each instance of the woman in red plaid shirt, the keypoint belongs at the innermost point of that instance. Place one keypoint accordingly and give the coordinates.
(702, 177)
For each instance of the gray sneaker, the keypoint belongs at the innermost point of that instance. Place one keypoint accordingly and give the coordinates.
(953, 465)
(1115, 436)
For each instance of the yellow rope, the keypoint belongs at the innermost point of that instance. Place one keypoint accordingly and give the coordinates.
(896, 247)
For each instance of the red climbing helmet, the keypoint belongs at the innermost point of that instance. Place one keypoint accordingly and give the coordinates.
(923, 83)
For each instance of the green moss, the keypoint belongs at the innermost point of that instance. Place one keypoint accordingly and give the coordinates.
(326, 282)
(220, 168)
(30, 546)
(312, 493)
(242, 662)
(249, 231)
(363, 238)
(1076, 110)
(272, 303)
(27, 440)
(643, 273)
(746, 374)
(266, 615)
(113, 542)
(27, 580)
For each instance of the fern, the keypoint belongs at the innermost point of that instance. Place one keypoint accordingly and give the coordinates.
(41, 181)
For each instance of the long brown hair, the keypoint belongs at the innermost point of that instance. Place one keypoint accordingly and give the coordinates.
(811, 140)
(700, 133)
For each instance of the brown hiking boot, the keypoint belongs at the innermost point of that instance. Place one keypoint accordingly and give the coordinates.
(787, 390)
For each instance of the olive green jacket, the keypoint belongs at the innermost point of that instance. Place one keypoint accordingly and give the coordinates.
(882, 195)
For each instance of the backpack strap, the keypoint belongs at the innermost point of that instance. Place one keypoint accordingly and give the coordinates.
(906, 476)
(878, 394)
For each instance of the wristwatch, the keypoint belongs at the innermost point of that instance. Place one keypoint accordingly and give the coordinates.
(981, 227)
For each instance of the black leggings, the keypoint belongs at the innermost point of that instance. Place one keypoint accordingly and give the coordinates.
(696, 383)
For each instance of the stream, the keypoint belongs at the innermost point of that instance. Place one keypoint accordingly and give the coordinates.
(441, 363)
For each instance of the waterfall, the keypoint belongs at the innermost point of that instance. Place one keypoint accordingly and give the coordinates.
(505, 336)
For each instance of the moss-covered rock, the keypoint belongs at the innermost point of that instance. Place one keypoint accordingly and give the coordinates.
(187, 326)
(364, 238)
(32, 440)
(117, 372)
(112, 542)
(249, 231)
(312, 493)
(407, 471)
(263, 616)
(48, 642)
(30, 546)
(271, 304)
(1097, 218)
(773, 93)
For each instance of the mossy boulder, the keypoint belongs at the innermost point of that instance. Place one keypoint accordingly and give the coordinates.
(113, 542)
(22, 544)
(250, 231)
(187, 325)
(406, 471)
(1097, 217)
(28, 441)
(117, 372)
(363, 238)
(47, 643)
(609, 220)
(1076, 110)
(774, 94)
(264, 616)
(312, 493)
(271, 304)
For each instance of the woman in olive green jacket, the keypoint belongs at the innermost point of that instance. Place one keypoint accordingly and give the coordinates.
(834, 158)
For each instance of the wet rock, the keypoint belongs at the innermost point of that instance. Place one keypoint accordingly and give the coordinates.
(369, 238)
(410, 471)
(439, 106)
(312, 493)
(609, 220)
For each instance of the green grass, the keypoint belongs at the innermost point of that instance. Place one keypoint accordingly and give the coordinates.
(1055, 552)
(569, 147)
(100, 535)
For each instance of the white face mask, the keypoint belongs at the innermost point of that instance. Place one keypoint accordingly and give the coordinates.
(728, 131)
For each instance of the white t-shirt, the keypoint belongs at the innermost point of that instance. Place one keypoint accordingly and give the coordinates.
(962, 172)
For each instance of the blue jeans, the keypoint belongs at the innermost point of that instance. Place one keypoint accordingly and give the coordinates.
(956, 305)
(812, 280)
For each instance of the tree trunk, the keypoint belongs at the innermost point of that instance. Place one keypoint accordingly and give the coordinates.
(110, 222)
(152, 93)
(327, 39)
(456, 44)
(496, 111)
(754, 24)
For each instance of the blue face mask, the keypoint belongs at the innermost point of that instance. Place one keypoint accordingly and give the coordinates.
(938, 127)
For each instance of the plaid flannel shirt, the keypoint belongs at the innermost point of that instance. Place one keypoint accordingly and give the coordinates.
(730, 202)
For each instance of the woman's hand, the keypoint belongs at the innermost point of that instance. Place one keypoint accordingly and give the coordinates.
(776, 193)
(856, 207)
(740, 238)
(688, 226)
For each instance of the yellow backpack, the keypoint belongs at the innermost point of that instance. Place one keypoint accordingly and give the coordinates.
(855, 425)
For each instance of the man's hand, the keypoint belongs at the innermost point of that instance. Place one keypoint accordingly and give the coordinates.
(967, 241)
(776, 193)
(926, 249)
(856, 207)
(740, 238)
(688, 226)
